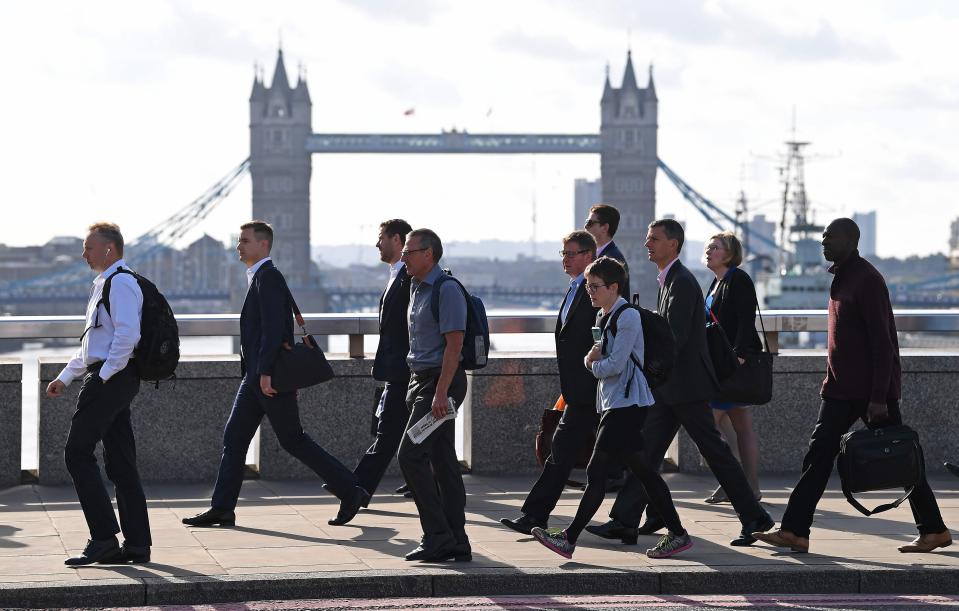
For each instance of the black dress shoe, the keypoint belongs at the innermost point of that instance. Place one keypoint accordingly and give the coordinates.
(433, 549)
(402, 489)
(758, 525)
(103, 550)
(212, 517)
(652, 524)
(349, 506)
(524, 524)
(130, 554)
(614, 529)
(952, 468)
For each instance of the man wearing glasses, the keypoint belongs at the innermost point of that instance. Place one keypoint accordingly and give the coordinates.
(602, 224)
(430, 467)
(574, 339)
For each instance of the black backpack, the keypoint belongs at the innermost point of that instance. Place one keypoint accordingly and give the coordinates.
(476, 337)
(659, 346)
(158, 351)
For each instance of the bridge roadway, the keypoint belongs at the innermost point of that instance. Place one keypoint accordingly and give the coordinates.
(282, 549)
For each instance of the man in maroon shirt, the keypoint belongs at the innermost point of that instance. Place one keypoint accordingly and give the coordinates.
(863, 382)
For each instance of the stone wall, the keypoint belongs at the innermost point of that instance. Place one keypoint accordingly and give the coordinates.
(11, 392)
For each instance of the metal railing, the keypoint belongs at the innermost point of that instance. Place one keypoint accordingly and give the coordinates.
(356, 326)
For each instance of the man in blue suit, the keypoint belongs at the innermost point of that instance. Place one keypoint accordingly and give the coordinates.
(266, 324)
(602, 223)
(389, 366)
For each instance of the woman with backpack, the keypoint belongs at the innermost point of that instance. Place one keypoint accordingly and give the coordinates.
(623, 397)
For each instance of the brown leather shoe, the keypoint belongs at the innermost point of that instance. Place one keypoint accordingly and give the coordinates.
(784, 538)
(927, 543)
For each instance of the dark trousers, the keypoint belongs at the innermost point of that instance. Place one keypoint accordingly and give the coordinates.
(284, 414)
(431, 468)
(572, 433)
(835, 419)
(619, 439)
(389, 432)
(662, 425)
(103, 414)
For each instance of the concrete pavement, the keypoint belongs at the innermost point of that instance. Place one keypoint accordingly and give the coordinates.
(282, 548)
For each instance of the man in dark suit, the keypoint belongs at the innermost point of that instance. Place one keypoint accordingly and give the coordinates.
(602, 223)
(389, 365)
(682, 400)
(266, 327)
(574, 339)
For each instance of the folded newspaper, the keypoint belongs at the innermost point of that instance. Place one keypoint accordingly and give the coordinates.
(428, 423)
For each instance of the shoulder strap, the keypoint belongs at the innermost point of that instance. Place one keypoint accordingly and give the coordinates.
(435, 294)
(762, 325)
(884, 507)
(104, 299)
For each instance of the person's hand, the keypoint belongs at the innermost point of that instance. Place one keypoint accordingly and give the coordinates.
(741, 360)
(266, 386)
(595, 353)
(440, 405)
(55, 388)
(877, 412)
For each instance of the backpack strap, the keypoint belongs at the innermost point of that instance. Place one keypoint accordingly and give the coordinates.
(435, 294)
(105, 299)
(609, 326)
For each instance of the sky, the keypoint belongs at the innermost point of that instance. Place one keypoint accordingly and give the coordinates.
(127, 111)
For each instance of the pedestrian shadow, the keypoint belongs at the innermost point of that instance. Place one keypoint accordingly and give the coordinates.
(139, 571)
(9, 531)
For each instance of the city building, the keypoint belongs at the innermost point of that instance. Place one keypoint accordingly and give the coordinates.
(588, 193)
(867, 232)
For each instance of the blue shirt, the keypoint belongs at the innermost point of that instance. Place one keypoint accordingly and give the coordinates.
(568, 302)
(427, 341)
(616, 371)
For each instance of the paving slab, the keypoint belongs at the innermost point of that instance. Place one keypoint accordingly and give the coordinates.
(283, 548)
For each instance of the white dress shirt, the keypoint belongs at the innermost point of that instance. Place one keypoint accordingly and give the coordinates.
(119, 331)
(394, 272)
(251, 271)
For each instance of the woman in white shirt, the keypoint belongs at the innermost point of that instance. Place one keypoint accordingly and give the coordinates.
(623, 398)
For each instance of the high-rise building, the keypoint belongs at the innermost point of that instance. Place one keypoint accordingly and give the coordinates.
(628, 162)
(867, 232)
(588, 193)
(760, 227)
(954, 243)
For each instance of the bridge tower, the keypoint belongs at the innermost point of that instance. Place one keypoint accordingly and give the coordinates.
(280, 167)
(628, 161)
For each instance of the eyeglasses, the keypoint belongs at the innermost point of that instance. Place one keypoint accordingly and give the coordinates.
(591, 222)
(572, 253)
(406, 253)
(592, 288)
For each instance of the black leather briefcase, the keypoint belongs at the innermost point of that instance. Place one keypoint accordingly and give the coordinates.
(301, 365)
(880, 459)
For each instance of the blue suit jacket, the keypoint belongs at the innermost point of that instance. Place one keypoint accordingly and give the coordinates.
(266, 321)
(389, 365)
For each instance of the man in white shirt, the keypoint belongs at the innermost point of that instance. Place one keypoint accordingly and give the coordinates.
(110, 383)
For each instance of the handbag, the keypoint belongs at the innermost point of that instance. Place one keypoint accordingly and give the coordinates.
(752, 382)
(721, 353)
(544, 438)
(303, 364)
(880, 459)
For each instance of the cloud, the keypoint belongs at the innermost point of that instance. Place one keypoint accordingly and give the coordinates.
(419, 12)
(554, 48)
(924, 167)
(415, 87)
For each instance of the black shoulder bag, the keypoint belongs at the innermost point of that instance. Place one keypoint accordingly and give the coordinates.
(303, 364)
(880, 459)
(752, 382)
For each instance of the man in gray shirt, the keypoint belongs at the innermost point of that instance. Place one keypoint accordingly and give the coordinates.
(436, 342)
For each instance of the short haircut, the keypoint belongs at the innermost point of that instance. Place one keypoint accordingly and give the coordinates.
(394, 227)
(108, 232)
(607, 215)
(609, 270)
(848, 227)
(674, 231)
(261, 230)
(583, 238)
(428, 239)
(732, 245)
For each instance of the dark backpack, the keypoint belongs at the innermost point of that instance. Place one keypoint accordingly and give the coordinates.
(476, 337)
(659, 351)
(158, 351)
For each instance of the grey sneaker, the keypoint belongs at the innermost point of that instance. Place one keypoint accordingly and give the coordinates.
(670, 545)
(555, 539)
